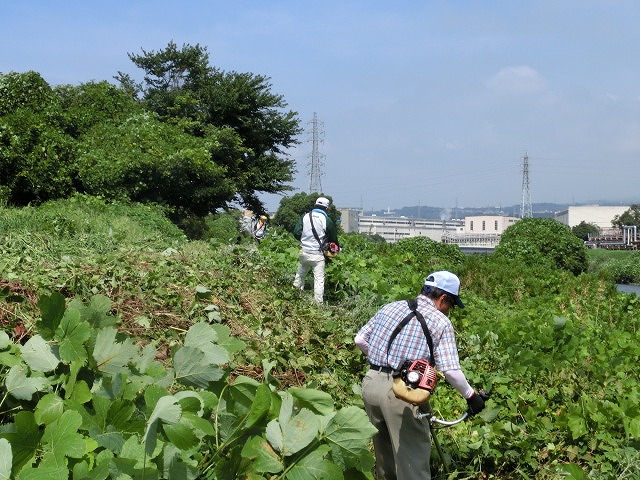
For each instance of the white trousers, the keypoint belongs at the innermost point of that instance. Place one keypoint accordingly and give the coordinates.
(315, 262)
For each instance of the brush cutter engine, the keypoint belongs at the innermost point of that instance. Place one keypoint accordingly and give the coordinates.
(419, 374)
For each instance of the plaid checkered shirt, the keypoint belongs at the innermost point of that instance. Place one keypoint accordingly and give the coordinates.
(410, 343)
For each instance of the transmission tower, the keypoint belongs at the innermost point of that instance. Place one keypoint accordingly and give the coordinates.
(525, 208)
(316, 163)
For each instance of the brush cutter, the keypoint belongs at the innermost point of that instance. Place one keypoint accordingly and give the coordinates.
(436, 423)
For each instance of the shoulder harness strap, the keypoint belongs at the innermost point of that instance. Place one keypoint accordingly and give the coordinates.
(413, 305)
(313, 229)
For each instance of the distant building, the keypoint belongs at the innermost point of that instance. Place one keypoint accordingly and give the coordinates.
(487, 224)
(475, 232)
(393, 228)
(600, 216)
(480, 232)
(349, 219)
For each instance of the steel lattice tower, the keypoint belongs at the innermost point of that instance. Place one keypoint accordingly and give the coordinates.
(316, 164)
(525, 208)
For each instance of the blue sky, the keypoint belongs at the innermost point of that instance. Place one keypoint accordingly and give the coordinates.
(421, 102)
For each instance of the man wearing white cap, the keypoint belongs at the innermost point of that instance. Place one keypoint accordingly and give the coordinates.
(313, 230)
(402, 444)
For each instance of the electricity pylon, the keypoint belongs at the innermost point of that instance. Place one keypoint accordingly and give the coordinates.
(316, 164)
(525, 208)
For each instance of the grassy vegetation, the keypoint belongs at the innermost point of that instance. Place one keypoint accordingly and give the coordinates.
(621, 266)
(558, 351)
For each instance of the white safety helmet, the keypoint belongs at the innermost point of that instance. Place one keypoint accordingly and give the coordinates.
(323, 202)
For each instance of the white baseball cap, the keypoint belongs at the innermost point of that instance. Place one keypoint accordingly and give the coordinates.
(323, 202)
(447, 282)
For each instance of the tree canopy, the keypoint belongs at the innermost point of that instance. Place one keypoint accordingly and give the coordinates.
(189, 137)
(181, 87)
(292, 208)
(36, 151)
(630, 217)
(584, 229)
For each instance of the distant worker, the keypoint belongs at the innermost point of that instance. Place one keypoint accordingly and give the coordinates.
(314, 230)
(259, 229)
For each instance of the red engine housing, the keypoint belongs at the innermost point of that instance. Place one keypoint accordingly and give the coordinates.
(428, 375)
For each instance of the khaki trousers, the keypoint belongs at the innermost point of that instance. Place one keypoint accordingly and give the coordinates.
(402, 444)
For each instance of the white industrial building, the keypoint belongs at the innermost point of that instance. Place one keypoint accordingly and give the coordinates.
(480, 231)
(598, 215)
(393, 228)
(477, 232)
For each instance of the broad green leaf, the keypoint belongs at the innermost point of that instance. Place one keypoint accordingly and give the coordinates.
(37, 353)
(97, 312)
(6, 458)
(24, 438)
(128, 470)
(260, 406)
(72, 334)
(108, 438)
(274, 435)
(11, 356)
(188, 400)
(190, 368)
(267, 366)
(134, 450)
(146, 358)
(574, 472)
(200, 333)
(181, 436)
(119, 414)
(112, 356)
(62, 439)
(633, 429)
(227, 424)
(51, 310)
(81, 392)
(240, 395)
(200, 426)
(49, 409)
(286, 408)
(577, 425)
(295, 434)
(230, 343)
(203, 292)
(167, 410)
(315, 466)
(81, 471)
(203, 337)
(348, 433)
(5, 341)
(315, 400)
(262, 457)
(69, 387)
(40, 472)
(22, 387)
(175, 468)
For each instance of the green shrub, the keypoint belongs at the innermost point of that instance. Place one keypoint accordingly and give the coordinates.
(543, 241)
(222, 227)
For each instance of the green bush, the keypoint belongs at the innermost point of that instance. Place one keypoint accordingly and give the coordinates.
(543, 241)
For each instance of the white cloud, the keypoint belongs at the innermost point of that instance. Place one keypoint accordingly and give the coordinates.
(519, 80)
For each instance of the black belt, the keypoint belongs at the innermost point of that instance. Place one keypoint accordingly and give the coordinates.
(381, 369)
